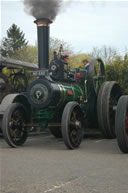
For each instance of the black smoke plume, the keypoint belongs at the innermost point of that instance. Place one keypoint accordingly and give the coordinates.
(43, 8)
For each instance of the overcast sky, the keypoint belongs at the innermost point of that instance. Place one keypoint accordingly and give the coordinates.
(83, 24)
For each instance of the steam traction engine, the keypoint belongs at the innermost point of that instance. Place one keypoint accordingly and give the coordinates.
(65, 101)
(15, 82)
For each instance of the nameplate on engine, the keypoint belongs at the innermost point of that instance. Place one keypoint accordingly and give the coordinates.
(39, 73)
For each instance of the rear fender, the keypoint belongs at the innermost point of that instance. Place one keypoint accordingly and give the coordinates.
(15, 98)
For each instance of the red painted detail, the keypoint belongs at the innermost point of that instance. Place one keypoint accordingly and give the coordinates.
(126, 121)
(70, 92)
(79, 77)
(100, 73)
(66, 57)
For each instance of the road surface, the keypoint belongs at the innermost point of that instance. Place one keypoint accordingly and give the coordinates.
(44, 165)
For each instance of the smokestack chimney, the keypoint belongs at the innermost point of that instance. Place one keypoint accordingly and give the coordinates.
(43, 30)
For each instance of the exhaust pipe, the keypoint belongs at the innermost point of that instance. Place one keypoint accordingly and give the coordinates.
(43, 31)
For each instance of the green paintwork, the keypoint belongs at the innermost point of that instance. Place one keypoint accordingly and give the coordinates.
(43, 116)
(73, 91)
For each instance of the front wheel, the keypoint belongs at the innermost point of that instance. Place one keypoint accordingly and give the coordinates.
(121, 124)
(13, 125)
(71, 125)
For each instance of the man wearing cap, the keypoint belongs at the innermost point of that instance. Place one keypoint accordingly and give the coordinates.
(86, 64)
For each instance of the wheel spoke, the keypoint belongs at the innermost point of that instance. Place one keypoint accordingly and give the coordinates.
(74, 115)
(74, 132)
(13, 133)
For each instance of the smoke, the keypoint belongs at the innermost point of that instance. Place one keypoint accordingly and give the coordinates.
(43, 8)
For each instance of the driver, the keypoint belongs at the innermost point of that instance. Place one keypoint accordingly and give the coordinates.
(86, 64)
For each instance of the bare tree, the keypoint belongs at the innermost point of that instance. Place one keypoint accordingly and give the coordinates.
(106, 53)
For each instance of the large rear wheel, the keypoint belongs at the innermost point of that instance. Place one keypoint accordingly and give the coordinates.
(108, 97)
(13, 125)
(121, 124)
(71, 125)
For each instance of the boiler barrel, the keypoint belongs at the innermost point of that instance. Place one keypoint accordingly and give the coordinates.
(43, 93)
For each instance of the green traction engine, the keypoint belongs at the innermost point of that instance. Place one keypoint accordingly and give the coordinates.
(67, 102)
(65, 106)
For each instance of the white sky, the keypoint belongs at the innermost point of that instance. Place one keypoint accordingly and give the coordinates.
(83, 24)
